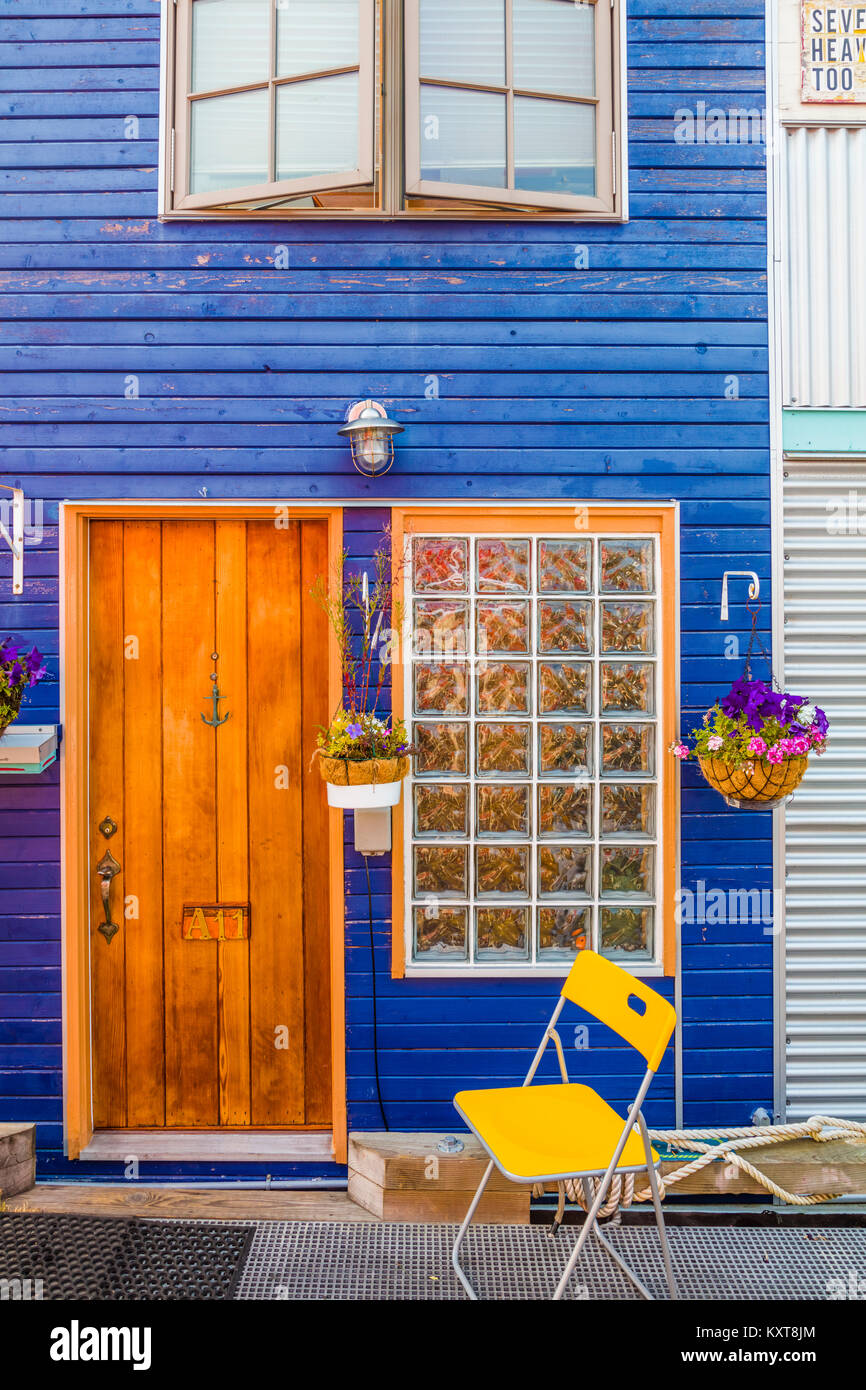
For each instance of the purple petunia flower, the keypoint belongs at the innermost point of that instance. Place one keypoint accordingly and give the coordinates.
(354, 731)
(758, 703)
(21, 670)
(34, 667)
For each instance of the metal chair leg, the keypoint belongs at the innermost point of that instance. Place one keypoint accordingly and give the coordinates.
(587, 1227)
(461, 1235)
(617, 1258)
(657, 1203)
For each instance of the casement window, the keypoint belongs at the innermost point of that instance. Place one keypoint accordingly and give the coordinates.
(538, 680)
(393, 108)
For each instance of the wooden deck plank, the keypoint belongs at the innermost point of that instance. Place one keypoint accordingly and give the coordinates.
(91, 1199)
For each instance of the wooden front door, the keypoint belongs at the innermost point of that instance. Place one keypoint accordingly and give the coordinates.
(190, 1031)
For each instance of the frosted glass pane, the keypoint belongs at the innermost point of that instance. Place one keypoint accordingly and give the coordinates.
(230, 43)
(626, 567)
(317, 127)
(554, 149)
(462, 42)
(229, 142)
(313, 35)
(554, 47)
(463, 137)
(440, 931)
(440, 564)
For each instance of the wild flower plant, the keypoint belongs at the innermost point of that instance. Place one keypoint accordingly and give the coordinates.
(363, 736)
(363, 615)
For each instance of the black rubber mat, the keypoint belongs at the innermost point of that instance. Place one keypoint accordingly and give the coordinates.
(112, 1258)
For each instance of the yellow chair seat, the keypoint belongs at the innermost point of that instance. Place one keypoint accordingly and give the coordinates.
(549, 1131)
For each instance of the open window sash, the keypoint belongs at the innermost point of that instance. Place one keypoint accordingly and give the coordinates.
(272, 189)
(510, 195)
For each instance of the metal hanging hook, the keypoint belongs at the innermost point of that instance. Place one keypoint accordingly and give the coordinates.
(754, 588)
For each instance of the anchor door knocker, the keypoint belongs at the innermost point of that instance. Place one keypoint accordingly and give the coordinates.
(215, 696)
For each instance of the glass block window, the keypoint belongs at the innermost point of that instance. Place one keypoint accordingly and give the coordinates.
(534, 692)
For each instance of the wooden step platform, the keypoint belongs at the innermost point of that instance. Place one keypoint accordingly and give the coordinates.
(404, 1177)
(803, 1166)
(17, 1159)
(124, 1199)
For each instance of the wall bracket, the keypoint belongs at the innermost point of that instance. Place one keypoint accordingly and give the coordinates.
(754, 588)
(15, 541)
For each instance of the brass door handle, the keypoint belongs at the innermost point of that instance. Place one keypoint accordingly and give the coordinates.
(106, 869)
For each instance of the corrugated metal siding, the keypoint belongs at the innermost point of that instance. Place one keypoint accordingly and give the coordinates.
(611, 382)
(825, 658)
(825, 270)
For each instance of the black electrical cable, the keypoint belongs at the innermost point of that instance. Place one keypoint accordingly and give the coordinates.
(375, 1010)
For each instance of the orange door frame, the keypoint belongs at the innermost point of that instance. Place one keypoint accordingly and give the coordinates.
(75, 520)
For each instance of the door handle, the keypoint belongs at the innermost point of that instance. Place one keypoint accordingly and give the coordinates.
(107, 869)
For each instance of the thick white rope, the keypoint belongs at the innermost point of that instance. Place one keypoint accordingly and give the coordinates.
(818, 1127)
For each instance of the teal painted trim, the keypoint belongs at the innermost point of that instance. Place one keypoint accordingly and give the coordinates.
(29, 768)
(824, 431)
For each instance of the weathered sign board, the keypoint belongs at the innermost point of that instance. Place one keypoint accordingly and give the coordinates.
(833, 52)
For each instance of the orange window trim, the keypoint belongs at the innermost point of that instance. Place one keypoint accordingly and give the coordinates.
(74, 663)
(652, 519)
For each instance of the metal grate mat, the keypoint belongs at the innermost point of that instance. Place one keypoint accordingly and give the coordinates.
(397, 1261)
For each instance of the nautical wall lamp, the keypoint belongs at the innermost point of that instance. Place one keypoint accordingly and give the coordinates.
(371, 435)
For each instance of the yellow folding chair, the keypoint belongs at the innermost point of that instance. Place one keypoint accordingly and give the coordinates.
(542, 1134)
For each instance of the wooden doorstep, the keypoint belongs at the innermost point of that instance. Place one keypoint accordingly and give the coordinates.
(211, 1146)
(17, 1158)
(95, 1199)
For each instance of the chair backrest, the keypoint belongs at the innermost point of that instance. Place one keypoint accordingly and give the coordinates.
(615, 998)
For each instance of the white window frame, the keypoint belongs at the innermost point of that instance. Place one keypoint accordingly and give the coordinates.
(395, 200)
(603, 102)
(184, 98)
(645, 967)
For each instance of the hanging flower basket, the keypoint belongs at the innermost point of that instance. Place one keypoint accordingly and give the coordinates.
(363, 760)
(365, 784)
(767, 785)
(753, 747)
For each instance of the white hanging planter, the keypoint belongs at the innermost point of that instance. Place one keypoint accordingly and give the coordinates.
(28, 748)
(367, 796)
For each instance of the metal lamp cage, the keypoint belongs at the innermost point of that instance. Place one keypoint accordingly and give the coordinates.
(371, 433)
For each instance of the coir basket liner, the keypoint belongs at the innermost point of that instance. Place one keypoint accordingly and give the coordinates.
(767, 782)
(343, 772)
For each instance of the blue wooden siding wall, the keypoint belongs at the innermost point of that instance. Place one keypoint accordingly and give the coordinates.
(140, 360)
